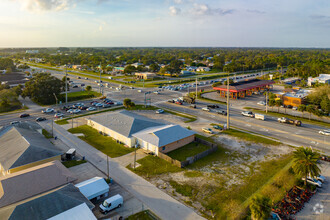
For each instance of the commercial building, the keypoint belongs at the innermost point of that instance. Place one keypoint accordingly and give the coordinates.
(245, 88)
(23, 147)
(65, 202)
(135, 130)
(323, 78)
(145, 76)
(96, 187)
(33, 181)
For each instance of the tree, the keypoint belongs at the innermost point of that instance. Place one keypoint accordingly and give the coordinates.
(325, 105)
(42, 87)
(128, 103)
(129, 69)
(154, 67)
(278, 103)
(88, 88)
(305, 162)
(9, 70)
(310, 109)
(260, 207)
(302, 108)
(271, 103)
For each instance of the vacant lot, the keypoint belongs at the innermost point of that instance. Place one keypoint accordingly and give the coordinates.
(103, 143)
(188, 150)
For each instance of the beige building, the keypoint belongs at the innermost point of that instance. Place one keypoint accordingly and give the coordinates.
(23, 147)
(145, 75)
(135, 130)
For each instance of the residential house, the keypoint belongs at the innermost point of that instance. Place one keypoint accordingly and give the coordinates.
(203, 69)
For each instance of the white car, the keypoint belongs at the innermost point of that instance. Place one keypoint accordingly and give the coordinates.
(261, 103)
(206, 109)
(325, 132)
(207, 130)
(313, 181)
(75, 111)
(159, 111)
(248, 114)
(99, 105)
(156, 92)
(319, 178)
(58, 115)
(70, 111)
(48, 110)
(91, 109)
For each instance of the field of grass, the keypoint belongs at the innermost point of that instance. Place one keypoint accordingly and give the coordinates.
(278, 115)
(183, 189)
(190, 118)
(72, 163)
(250, 137)
(152, 166)
(103, 143)
(75, 96)
(187, 151)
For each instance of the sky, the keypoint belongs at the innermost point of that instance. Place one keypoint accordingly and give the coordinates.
(165, 23)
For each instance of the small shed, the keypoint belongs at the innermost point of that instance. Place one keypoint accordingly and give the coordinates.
(96, 187)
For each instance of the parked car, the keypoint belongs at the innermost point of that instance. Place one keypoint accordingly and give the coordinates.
(313, 181)
(111, 203)
(325, 132)
(91, 109)
(217, 127)
(171, 101)
(294, 108)
(319, 178)
(206, 109)
(106, 106)
(14, 122)
(178, 102)
(156, 92)
(58, 115)
(86, 78)
(159, 111)
(48, 110)
(207, 130)
(41, 119)
(83, 107)
(248, 114)
(24, 115)
(261, 103)
(75, 111)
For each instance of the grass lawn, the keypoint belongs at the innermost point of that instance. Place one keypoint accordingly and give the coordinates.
(103, 143)
(75, 96)
(190, 118)
(151, 166)
(143, 215)
(46, 134)
(72, 163)
(303, 120)
(187, 151)
(250, 137)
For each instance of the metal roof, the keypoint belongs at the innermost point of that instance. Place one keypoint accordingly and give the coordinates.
(244, 85)
(77, 213)
(20, 146)
(93, 187)
(33, 181)
(46, 206)
(124, 122)
(163, 135)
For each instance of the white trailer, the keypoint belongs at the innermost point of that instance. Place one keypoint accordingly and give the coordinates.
(259, 116)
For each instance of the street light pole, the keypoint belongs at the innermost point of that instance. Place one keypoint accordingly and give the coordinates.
(66, 84)
(228, 121)
(100, 79)
(267, 101)
(196, 91)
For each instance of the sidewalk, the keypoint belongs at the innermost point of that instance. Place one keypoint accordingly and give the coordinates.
(159, 202)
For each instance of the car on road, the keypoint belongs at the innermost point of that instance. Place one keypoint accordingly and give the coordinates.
(213, 106)
(171, 101)
(248, 114)
(178, 102)
(86, 78)
(325, 132)
(156, 92)
(58, 115)
(41, 119)
(294, 108)
(48, 110)
(14, 122)
(78, 77)
(192, 106)
(207, 130)
(139, 90)
(91, 109)
(24, 115)
(261, 103)
(222, 113)
(159, 111)
(217, 127)
(206, 109)
(75, 86)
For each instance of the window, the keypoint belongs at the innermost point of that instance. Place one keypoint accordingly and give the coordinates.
(163, 148)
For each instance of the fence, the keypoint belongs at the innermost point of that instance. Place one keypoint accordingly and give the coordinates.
(190, 160)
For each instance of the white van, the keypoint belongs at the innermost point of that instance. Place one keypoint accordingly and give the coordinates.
(259, 116)
(111, 203)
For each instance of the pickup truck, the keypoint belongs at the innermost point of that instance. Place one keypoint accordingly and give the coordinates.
(248, 114)
(289, 121)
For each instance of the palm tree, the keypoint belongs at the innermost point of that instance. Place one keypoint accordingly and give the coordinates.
(260, 207)
(305, 162)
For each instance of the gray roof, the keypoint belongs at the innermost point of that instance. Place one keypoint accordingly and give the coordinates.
(46, 206)
(20, 146)
(33, 181)
(124, 122)
(163, 135)
(28, 125)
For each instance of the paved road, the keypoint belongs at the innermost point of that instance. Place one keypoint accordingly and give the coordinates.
(159, 202)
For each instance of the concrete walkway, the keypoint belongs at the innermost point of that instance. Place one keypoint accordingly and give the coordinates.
(159, 202)
(129, 158)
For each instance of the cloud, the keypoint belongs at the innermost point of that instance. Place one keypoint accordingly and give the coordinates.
(178, 1)
(255, 11)
(174, 11)
(46, 5)
(204, 9)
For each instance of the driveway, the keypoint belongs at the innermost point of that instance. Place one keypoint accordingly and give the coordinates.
(319, 205)
(163, 205)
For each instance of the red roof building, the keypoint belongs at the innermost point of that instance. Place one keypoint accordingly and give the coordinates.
(244, 88)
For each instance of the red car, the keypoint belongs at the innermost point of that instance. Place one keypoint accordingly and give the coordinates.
(179, 103)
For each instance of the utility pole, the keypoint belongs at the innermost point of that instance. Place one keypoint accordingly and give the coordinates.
(66, 84)
(135, 157)
(72, 118)
(108, 167)
(52, 127)
(100, 79)
(196, 91)
(228, 103)
(267, 101)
